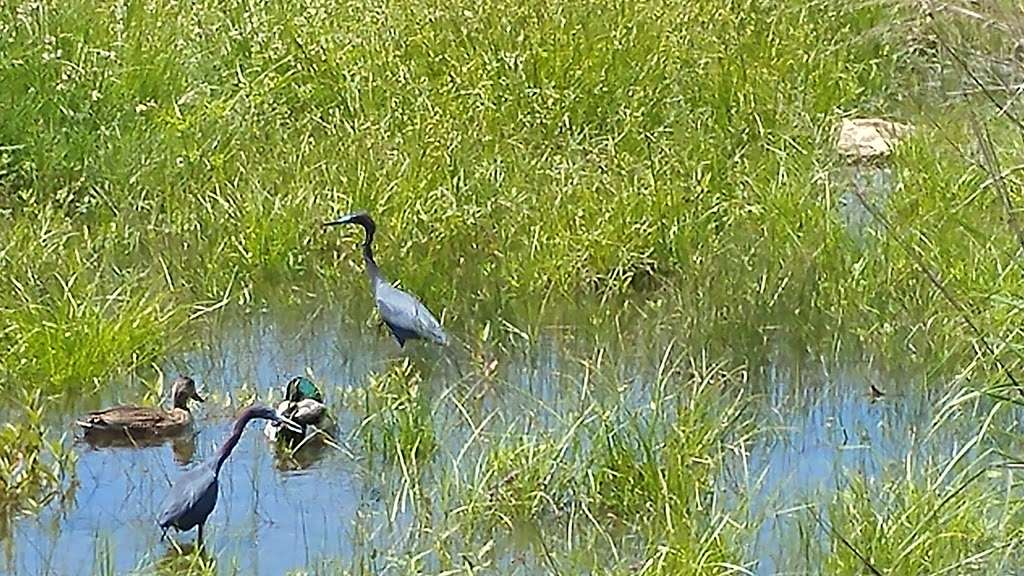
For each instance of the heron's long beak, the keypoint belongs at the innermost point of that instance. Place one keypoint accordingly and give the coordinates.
(346, 219)
(290, 424)
(340, 221)
(197, 397)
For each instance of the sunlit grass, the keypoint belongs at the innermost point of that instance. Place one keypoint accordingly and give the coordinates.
(397, 421)
(940, 520)
(506, 151)
(34, 467)
(661, 163)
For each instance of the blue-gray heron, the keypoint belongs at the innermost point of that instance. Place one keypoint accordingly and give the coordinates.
(405, 316)
(193, 496)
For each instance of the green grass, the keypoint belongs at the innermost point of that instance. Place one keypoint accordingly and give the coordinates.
(660, 163)
(163, 162)
(942, 519)
(181, 157)
(396, 416)
(34, 465)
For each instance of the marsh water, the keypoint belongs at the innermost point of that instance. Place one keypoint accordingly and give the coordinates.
(817, 427)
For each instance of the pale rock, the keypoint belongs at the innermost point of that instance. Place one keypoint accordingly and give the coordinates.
(869, 138)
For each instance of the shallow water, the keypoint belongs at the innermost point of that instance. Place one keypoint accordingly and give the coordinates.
(828, 430)
(817, 428)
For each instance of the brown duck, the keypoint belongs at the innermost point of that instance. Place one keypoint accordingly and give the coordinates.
(145, 421)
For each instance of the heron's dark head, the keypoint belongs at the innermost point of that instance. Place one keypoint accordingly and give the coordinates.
(361, 218)
(183, 390)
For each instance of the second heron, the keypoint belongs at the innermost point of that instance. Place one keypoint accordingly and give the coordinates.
(405, 316)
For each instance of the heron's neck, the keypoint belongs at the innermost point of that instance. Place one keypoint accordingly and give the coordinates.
(372, 270)
(236, 434)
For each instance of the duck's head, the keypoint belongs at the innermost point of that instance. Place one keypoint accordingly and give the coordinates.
(183, 390)
(301, 388)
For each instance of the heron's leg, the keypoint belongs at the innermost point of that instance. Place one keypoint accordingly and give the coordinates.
(450, 357)
(200, 536)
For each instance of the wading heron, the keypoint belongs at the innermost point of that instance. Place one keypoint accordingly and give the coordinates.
(193, 496)
(405, 316)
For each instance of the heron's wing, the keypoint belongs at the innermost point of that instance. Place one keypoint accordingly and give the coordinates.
(404, 311)
(185, 494)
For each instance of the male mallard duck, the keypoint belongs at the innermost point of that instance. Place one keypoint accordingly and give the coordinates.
(145, 421)
(303, 404)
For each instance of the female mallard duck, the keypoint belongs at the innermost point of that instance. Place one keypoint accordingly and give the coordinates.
(303, 404)
(145, 421)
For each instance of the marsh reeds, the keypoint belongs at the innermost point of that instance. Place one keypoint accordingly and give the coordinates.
(636, 173)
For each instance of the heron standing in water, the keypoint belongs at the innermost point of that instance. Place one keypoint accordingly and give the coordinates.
(405, 316)
(193, 496)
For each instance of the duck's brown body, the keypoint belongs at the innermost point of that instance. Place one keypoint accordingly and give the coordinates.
(144, 422)
(137, 421)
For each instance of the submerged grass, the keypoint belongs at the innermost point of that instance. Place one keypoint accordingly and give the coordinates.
(34, 467)
(631, 488)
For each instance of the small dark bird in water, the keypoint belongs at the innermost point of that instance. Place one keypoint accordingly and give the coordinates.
(405, 316)
(874, 393)
(194, 494)
(144, 422)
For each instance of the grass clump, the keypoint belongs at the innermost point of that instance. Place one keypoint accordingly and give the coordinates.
(526, 480)
(189, 561)
(34, 469)
(651, 466)
(655, 469)
(908, 526)
(397, 421)
(947, 510)
(618, 487)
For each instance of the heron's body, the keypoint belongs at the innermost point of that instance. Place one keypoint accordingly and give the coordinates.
(404, 315)
(194, 495)
(191, 500)
(144, 422)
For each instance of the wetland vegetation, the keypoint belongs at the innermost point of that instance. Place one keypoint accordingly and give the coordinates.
(666, 296)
